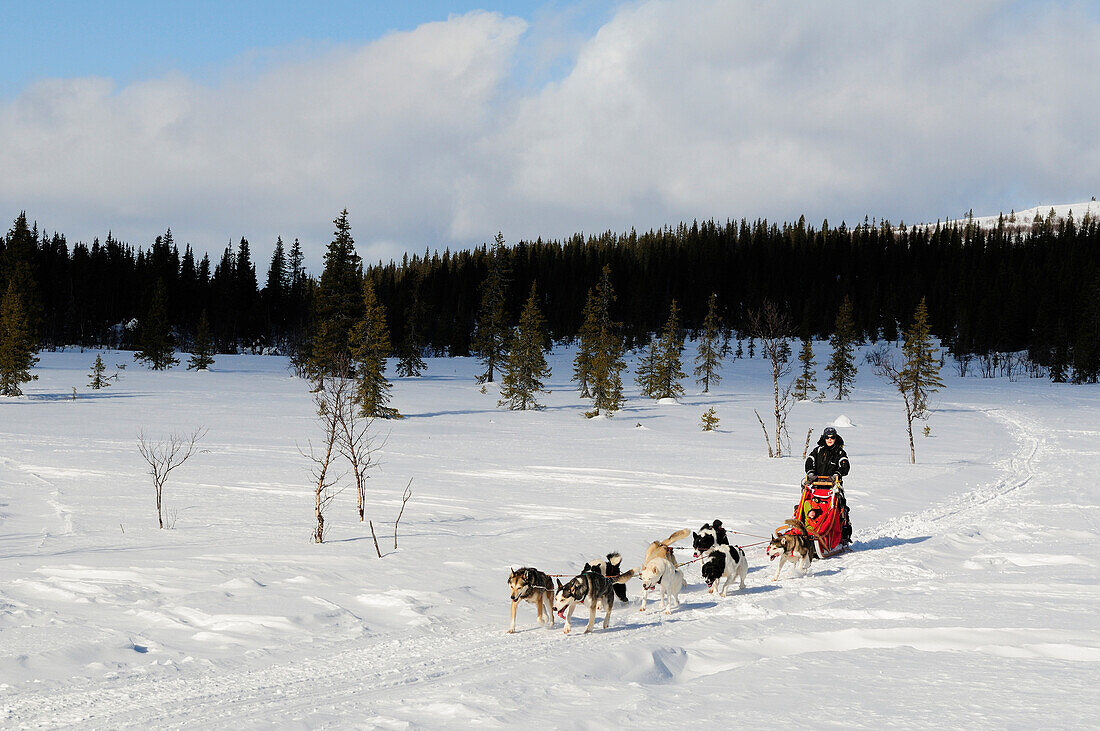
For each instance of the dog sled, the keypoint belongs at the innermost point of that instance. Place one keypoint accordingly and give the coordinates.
(822, 509)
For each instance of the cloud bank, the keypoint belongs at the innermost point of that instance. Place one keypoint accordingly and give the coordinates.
(671, 111)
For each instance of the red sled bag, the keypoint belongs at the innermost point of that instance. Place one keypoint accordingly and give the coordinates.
(821, 509)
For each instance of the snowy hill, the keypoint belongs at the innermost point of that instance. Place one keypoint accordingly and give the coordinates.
(1026, 216)
(970, 599)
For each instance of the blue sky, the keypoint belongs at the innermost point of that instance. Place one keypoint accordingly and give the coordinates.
(129, 41)
(439, 124)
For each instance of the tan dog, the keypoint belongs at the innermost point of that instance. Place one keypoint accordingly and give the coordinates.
(661, 549)
(664, 548)
(531, 585)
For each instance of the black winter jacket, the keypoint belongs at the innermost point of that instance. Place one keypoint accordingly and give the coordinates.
(828, 461)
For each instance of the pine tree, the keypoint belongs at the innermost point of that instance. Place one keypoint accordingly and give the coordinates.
(410, 363)
(710, 420)
(669, 368)
(370, 345)
(491, 330)
(921, 374)
(525, 365)
(17, 347)
(607, 356)
(339, 301)
(157, 349)
(645, 375)
(202, 351)
(805, 386)
(740, 352)
(918, 376)
(586, 345)
(752, 348)
(842, 365)
(96, 376)
(708, 359)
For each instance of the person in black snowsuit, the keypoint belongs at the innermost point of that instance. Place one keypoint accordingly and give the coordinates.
(829, 459)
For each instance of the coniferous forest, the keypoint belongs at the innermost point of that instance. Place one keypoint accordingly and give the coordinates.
(1015, 288)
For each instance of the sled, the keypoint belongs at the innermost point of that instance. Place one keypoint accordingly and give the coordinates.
(821, 510)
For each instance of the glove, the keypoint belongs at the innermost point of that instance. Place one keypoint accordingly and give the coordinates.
(836, 477)
(810, 475)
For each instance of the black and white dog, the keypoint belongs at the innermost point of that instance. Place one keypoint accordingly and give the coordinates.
(724, 561)
(710, 535)
(593, 591)
(609, 567)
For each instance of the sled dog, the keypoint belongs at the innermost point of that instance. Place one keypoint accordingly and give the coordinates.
(709, 536)
(724, 561)
(591, 590)
(792, 547)
(531, 585)
(609, 567)
(664, 548)
(660, 573)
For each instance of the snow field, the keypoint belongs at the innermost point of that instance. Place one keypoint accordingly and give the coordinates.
(970, 599)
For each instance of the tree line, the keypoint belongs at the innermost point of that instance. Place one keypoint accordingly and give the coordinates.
(1013, 288)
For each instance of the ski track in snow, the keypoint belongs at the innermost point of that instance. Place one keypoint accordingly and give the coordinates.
(464, 670)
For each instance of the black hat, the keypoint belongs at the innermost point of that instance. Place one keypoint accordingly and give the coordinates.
(829, 432)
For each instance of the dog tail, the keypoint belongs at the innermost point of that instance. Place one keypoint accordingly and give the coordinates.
(679, 535)
(614, 558)
(623, 578)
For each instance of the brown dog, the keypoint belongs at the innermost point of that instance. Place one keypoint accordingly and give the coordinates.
(531, 585)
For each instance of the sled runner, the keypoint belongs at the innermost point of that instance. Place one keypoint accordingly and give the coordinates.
(821, 509)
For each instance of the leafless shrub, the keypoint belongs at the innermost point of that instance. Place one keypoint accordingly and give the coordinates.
(165, 456)
(333, 396)
(987, 364)
(404, 499)
(962, 363)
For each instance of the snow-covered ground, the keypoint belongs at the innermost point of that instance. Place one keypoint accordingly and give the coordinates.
(1026, 216)
(971, 600)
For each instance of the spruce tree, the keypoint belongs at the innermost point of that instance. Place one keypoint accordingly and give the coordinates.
(491, 330)
(669, 368)
(525, 365)
(410, 363)
(339, 301)
(202, 351)
(17, 347)
(96, 376)
(842, 364)
(710, 420)
(157, 349)
(586, 345)
(805, 386)
(708, 359)
(607, 356)
(918, 375)
(370, 345)
(921, 373)
(647, 367)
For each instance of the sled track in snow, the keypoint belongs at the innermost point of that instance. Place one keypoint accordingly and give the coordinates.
(1020, 471)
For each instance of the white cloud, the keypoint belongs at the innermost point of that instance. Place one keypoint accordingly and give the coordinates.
(673, 110)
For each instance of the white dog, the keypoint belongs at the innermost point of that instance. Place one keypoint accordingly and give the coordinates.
(661, 573)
